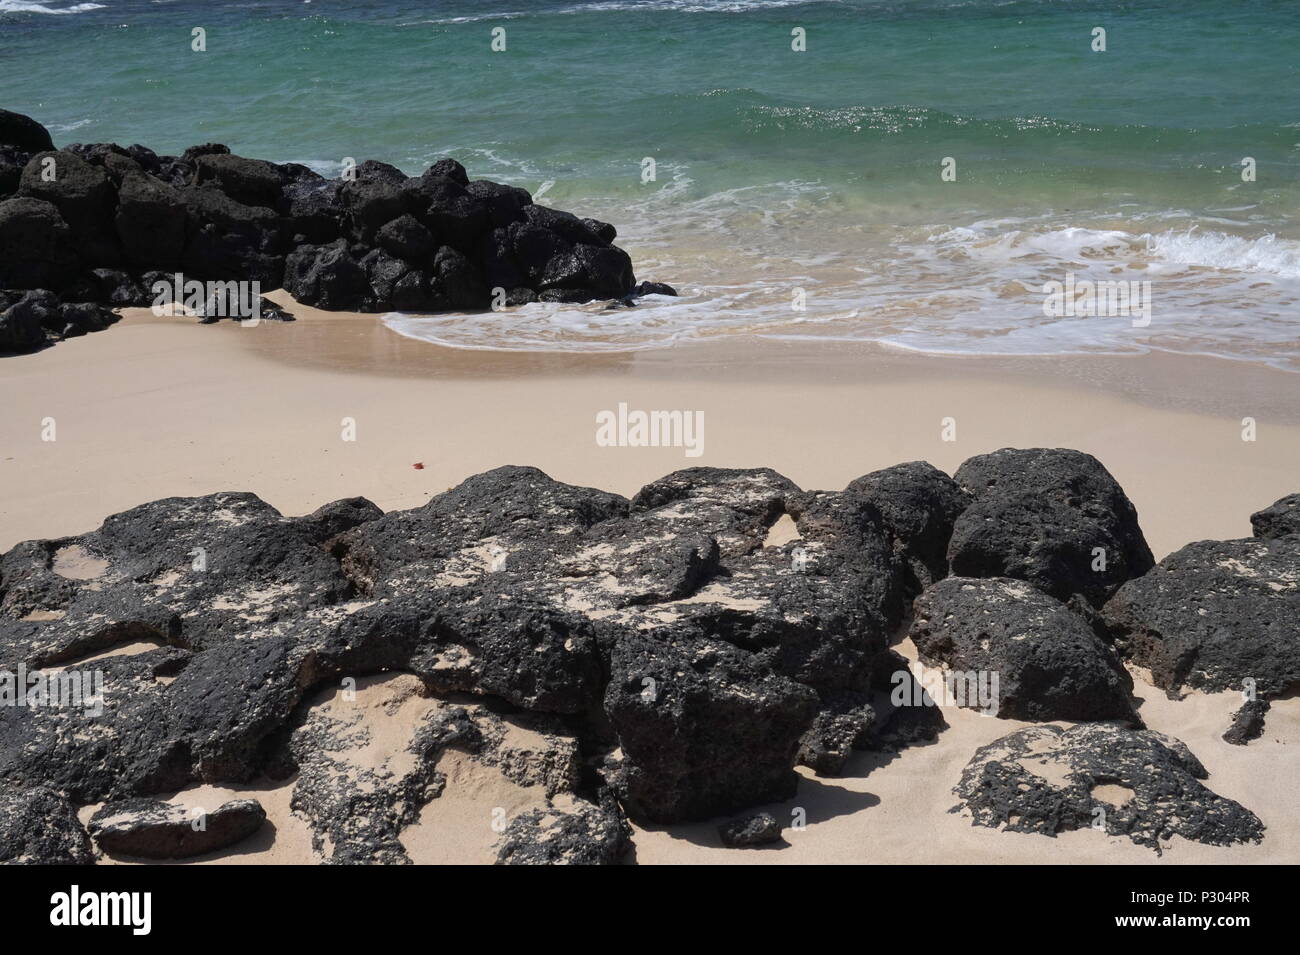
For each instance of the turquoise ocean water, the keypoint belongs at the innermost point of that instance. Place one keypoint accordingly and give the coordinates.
(774, 170)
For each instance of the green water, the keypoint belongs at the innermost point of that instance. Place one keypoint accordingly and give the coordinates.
(773, 168)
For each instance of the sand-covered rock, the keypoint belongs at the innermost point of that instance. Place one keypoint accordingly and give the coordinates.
(191, 572)
(152, 829)
(574, 832)
(1215, 615)
(1125, 782)
(1050, 516)
(1048, 663)
(40, 827)
(678, 652)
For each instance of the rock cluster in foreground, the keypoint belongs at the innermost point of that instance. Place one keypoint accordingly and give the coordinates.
(90, 227)
(662, 658)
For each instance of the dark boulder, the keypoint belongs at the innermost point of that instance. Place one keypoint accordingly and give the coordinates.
(117, 288)
(253, 182)
(653, 288)
(383, 272)
(23, 132)
(326, 275)
(1214, 615)
(1279, 519)
(1051, 516)
(604, 271)
(448, 169)
(37, 825)
(704, 730)
(505, 203)
(1048, 663)
(36, 245)
(758, 829)
(454, 279)
(534, 247)
(150, 222)
(151, 829)
(569, 227)
(449, 210)
(1133, 783)
(85, 198)
(407, 239)
(919, 504)
(23, 317)
(314, 209)
(369, 203)
(228, 238)
(1247, 723)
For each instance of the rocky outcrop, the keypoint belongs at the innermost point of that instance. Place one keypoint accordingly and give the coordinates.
(152, 829)
(1048, 663)
(1052, 517)
(671, 656)
(1216, 615)
(1125, 782)
(373, 240)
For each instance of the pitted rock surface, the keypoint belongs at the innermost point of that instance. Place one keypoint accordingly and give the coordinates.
(1048, 662)
(1146, 785)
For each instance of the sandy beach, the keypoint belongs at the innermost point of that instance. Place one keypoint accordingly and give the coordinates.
(162, 407)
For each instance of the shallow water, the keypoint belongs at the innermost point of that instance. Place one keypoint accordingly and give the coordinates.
(780, 178)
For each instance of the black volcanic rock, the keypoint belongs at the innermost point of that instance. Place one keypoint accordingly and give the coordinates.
(40, 827)
(1215, 614)
(36, 245)
(1247, 722)
(330, 520)
(1137, 783)
(252, 182)
(582, 833)
(152, 829)
(190, 571)
(373, 240)
(85, 198)
(919, 504)
(1048, 516)
(758, 829)
(23, 132)
(150, 222)
(1279, 519)
(704, 730)
(673, 656)
(1049, 664)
